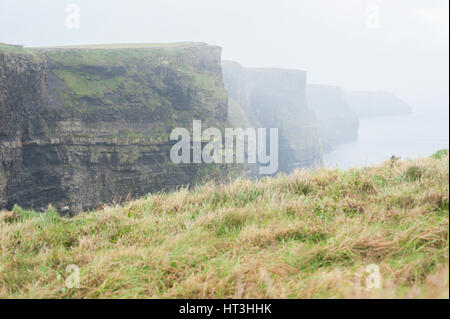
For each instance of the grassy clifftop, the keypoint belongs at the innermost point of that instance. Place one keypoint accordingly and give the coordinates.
(162, 82)
(306, 235)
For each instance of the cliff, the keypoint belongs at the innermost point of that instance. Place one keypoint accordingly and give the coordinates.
(275, 98)
(80, 126)
(366, 104)
(337, 123)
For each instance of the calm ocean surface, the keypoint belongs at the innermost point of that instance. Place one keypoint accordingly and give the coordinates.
(407, 136)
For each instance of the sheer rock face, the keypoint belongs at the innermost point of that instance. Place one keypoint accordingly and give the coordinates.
(367, 104)
(81, 126)
(275, 98)
(337, 122)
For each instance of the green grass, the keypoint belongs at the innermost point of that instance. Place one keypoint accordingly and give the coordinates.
(440, 154)
(173, 45)
(15, 49)
(19, 50)
(84, 84)
(306, 235)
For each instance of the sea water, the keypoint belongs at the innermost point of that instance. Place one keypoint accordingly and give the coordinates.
(407, 136)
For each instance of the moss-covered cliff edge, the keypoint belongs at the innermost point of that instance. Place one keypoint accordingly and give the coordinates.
(84, 125)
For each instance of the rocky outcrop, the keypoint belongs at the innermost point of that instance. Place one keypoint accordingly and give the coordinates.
(80, 126)
(366, 104)
(337, 123)
(275, 98)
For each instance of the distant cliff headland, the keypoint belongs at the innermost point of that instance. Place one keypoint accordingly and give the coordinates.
(337, 122)
(80, 126)
(338, 112)
(266, 97)
(366, 104)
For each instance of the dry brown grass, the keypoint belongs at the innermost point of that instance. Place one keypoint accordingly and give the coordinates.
(306, 235)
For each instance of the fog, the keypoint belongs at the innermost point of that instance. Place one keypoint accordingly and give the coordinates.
(399, 46)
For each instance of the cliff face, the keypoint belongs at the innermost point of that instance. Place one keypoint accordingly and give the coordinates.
(337, 123)
(275, 98)
(80, 126)
(367, 104)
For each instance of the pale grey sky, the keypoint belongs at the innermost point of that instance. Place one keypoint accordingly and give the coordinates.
(333, 40)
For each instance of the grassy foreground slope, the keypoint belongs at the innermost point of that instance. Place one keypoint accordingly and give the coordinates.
(307, 235)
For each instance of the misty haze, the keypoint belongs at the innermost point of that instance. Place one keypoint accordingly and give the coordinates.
(224, 149)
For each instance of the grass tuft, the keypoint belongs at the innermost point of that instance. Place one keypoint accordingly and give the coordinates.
(311, 234)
